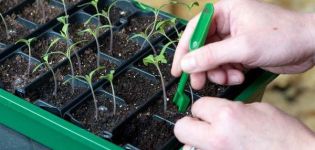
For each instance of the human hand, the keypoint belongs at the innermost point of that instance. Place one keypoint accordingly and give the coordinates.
(220, 124)
(248, 34)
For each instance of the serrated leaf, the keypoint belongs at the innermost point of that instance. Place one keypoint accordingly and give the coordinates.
(160, 59)
(149, 60)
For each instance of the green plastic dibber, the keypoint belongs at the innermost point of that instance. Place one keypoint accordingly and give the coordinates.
(197, 40)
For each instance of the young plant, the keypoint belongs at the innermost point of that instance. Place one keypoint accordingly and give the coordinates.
(162, 25)
(110, 77)
(94, 33)
(156, 60)
(65, 35)
(89, 79)
(106, 15)
(158, 10)
(46, 64)
(28, 43)
(5, 26)
(65, 9)
(67, 54)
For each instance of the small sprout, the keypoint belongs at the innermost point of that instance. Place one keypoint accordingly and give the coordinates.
(65, 10)
(106, 15)
(156, 60)
(110, 77)
(46, 63)
(95, 33)
(67, 54)
(65, 34)
(146, 38)
(28, 43)
(89, 79)
(6, 26)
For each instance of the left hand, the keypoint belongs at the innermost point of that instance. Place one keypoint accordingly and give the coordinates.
(219, 124)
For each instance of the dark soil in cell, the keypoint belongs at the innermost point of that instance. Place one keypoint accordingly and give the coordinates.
(13, 73)
(6, 5)
(123, 47)
(88, 63)
(134, 88)
(165, 68)
(16, 30)
(40, 49)
(211, 89)
(41, 14)
(171, 113)
(139, 24)
(75, 28)
(115, 15)
(145, 132)
(64, 91)
(106, 120)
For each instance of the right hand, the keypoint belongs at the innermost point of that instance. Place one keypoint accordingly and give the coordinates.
(248, 33)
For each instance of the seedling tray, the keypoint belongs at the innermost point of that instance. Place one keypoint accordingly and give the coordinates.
(66, 121)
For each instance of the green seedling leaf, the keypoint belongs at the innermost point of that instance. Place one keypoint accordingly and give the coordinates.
(160, 59)
(109, 76)
(141, 35)
(52, 44)
(148, 60)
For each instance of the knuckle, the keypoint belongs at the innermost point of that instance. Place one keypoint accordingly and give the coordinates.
(229, 112)
(248, 47)
(199, 104)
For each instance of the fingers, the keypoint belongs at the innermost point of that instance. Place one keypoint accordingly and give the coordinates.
(198, 80)
(208, 108)
(213, 55)
(193, 132)
(183, 46)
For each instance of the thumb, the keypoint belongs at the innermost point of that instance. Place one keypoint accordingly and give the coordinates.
(211, 56)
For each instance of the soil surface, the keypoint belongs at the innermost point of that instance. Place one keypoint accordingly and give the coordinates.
(115, 15)
(134, 88)
(16, 30)
(139, 24)
(13, 73)
(123, 48)
(165, 68)
(75, 28)
(6, 5)
(89, 63)
(106, 120)
(145, 132)
(41, 13)
(64, 91)
(211, 89)
(40, 49)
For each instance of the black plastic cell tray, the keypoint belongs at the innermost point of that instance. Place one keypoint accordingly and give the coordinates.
(133, 65)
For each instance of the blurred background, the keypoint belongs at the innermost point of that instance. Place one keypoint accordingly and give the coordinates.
(294, 94)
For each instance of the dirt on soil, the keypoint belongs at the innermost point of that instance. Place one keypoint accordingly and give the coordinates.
(16, 31)
(14, 73)
(6, 5)
(106, 121)
(123, 47)
(40, 13)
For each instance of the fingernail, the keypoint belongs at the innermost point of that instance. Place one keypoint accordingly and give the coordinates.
(188, 63)
(235, 79)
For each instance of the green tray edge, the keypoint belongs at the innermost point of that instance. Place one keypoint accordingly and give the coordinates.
(51, 130)
(45, 127)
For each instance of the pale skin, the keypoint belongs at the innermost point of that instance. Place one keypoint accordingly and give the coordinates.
(245, 34)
